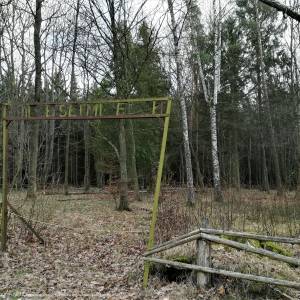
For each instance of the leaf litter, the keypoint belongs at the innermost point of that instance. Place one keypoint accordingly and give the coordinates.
(92, 252)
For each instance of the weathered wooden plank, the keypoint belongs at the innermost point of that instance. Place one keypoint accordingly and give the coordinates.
(173, 244)
(236, 245)
(262, 279)
(203, 259)
(252, 236)
(240, 246)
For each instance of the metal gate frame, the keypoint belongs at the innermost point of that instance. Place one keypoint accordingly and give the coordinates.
(86, 111)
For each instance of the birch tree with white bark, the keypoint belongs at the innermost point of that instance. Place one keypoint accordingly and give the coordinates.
(212, 100)
(182, 102)
(213, 104)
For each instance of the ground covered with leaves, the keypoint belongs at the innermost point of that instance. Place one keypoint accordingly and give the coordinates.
(95, 251)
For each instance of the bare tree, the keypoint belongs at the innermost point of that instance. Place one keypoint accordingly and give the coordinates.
(34, 137)
(73, 97)
(212, 101)
(266, 101)
(134, 174)
(180, 97)
(113, 25)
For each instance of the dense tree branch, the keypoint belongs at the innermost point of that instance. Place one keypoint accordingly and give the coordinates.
(283, 8)
(5, 3)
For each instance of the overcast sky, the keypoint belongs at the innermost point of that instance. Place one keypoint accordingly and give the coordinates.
(205, 5)
(159, 8)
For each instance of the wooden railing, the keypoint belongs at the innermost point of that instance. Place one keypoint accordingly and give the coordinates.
(205, 236)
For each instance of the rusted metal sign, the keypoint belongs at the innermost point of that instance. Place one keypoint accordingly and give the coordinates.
(96, 110)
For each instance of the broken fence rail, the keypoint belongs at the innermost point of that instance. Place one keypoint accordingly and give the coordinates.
(251, 277)
(211, 236)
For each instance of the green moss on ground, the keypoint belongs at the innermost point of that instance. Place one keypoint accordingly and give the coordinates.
(274, 247)
(170, 273)
(271, 246)
(182, 258)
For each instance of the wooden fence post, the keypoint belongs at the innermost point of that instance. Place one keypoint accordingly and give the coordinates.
(203, 259)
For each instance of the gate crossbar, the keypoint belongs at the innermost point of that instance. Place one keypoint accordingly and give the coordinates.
(105, 109)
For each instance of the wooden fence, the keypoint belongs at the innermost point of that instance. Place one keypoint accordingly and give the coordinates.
(205, 236)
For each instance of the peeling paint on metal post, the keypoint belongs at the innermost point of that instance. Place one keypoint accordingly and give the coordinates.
(157, 190)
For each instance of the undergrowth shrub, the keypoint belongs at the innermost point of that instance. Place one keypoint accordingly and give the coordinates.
(173, 217)
(244, 210)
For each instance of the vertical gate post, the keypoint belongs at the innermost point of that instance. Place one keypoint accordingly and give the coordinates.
(4, 178)
(157, 190)
(203, 259)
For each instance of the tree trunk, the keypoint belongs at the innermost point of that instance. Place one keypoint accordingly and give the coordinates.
(267, 104)
(75, 178)
(86, 156)
(295, 93)
(265, 178)
(184, 120)
(263, 166)
(51, 124)
(195, 152)
(134, 174)
(49, 151)
(235, 163)
(249, 164)
(123, 201)
(18, 178)
(120, 72)
(198, 170)
(34, 136)
(67, 159)
(1, 45)
(214, 153)
(213, 104)
(72, 97)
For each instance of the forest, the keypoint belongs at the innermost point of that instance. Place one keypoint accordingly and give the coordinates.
(98, 191)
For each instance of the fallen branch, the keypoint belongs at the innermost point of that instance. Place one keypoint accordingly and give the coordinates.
(16, 213)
